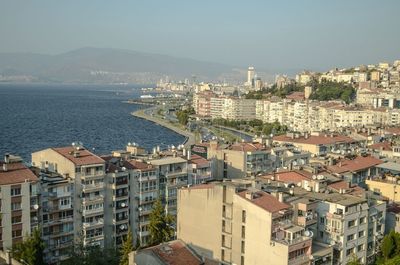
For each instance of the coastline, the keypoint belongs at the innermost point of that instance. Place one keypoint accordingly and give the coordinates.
(189, 137)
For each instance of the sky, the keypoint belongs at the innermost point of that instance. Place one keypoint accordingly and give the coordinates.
(297, 34)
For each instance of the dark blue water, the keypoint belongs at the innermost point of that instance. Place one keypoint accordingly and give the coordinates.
(35, 117)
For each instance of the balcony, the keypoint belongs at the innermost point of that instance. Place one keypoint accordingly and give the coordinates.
(292, 242)
(99, 222)
(92, 187)
(300, 260)
(94, 199)
(93, 211)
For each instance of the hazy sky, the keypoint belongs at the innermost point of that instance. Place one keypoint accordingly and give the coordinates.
(315, 34)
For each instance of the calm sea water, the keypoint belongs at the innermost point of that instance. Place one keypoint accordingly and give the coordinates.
(35, 117)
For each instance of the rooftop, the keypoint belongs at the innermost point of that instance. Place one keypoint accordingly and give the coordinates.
(288, 177)
(175, 253)
(315, 140)
(167, 161)
(16, 173)
(79, 156)
(384, 146)
(247, 147)
(359, 163)
(264, 200)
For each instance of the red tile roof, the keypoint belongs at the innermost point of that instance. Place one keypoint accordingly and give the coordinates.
(395, 131)
(297, 95)
(359, 163)
(84, 158)
(16, 173)
(247, 147)
(199, 161)
(315, 140)
(136, 164)
(266, 201)
(386, 146)
(175, 253)
(288, 177)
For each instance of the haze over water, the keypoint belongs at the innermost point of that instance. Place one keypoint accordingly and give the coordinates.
(35, 117)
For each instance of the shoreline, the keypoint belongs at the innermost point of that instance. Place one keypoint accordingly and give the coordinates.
(189, 137)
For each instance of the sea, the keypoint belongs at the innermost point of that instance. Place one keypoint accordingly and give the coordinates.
(34, 117)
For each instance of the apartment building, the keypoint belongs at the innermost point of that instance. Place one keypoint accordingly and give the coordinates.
(357, 170)
(199, 170)
(173, 174)
(144, 191)
(316, 143)
(19, 202)
(348, 219)
(239, 109)
(240, 159)
(87, 172)
(354, 226)
(238, 224)
(56, 214)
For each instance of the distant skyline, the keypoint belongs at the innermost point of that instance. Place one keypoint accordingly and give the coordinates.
(270, 35)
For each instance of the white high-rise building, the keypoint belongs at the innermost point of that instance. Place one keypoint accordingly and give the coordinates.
(250, 75)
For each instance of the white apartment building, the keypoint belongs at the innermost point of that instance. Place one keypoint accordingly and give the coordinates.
(87, 172)
(56, 215)
(239, 109)
(18, 201)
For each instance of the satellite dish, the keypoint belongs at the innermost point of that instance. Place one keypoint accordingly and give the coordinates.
(35, 206)
(307, 233)
(123, 204)
(333, 242)
(122, 227)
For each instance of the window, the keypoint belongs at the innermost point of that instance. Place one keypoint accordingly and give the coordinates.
(351, 223)
(16, 233)
(15, 206)
(361, 233)
(351, 237)
(243, 216)
(349, 251)
(322, 220)
(16, 219)
(242, 260)
(360, 247)
(243, 231)
(363, 220)
(243, 247)
(15, 191)
(64, 201)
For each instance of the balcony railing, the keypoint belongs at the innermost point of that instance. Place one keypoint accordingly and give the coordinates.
(94, 223)
(289, 242)
(88, 187)
(92, 211)
(97, 198)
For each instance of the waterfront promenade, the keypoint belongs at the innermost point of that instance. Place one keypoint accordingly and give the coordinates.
(149, 114)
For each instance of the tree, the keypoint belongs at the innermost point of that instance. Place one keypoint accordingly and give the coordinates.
(160, 226)
(30, 250)
(354, 261)
(387, 246)
(127, 247)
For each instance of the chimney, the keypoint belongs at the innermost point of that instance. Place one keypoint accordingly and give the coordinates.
(76, 154)
(5, 168)
(280, 196)
(249, 195)
(189, 154)
(290, 166)
(7, 158)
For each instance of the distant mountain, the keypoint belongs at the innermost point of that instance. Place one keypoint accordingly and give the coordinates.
(101, 65)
